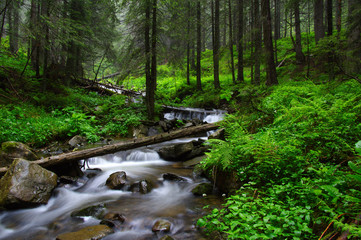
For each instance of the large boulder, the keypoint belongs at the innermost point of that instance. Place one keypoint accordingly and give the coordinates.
(116, 180)
(12, 150)
(88, 233)
(183, 151)
(176, 151)
(26, 184)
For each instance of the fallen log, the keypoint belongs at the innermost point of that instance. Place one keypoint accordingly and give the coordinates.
(126, 145)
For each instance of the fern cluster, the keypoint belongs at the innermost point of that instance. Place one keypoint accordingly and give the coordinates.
(311, 134)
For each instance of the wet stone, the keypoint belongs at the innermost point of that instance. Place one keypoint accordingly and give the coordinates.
(92, 172)
(203, 188)
(26, 184)
(67, 180)
(142, 187)
(96, 211)
(88, 233)
(161, 225)
(10, 151)
(115, 217)
(116, 180)
(167, 238)
(173, 177)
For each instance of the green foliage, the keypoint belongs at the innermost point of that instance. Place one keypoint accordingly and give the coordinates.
(311, 123)
(60, 116)
(280, 212)
(292, 149)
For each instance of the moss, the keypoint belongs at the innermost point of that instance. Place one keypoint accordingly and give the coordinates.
(8, 147)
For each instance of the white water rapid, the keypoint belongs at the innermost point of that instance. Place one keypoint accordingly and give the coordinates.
(168, 200)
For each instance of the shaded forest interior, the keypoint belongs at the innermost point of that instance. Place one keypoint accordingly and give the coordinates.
(287, 71)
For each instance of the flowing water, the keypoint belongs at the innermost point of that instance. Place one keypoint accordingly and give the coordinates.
(168, 200)
(209, 116)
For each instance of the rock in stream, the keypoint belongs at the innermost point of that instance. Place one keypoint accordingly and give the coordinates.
(26, 184)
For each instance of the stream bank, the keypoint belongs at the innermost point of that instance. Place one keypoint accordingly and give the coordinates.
(169, 202)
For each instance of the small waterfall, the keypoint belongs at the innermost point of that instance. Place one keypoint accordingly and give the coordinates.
(169, 200)
(209, 116)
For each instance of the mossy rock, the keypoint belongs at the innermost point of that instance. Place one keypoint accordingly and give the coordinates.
(92, 232)
(13, 150)
(26, 184)
(96, 211)
(161, 225)
(203, 188)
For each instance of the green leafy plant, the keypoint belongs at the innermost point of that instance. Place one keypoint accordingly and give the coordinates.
(272, 214)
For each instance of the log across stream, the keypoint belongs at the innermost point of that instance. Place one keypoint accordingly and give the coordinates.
(171, 201)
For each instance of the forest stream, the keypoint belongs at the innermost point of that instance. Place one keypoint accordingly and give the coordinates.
(169, 201)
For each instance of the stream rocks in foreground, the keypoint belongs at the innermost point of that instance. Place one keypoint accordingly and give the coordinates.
(13, 150)
(26, 185)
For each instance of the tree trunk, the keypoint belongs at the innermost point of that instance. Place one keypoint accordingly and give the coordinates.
(300, 57)
(329, 18)
(271, 78)
(240, 77)
(35, 44)
(188, 41)
(257, 44)
(45, 12)
(14, 19)
(3, 18)
(252, 34)
(286, 23)
(122, 146)
(148, 82)
(318, 20)
(216, 46)
(154, 49)
(277, 20)
(10, 10)
(339, 15)
(353, 62)
(199, 46)
(231, 40)
(224, 34)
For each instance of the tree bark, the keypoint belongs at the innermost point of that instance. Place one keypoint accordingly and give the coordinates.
(353, 38)
(3, 18)
(300, 57)
(271, 78)
(13, 23)
(339, 15)
(199, 46)
(277, 27)
(257, 44)
(329, 18)
(149, 61)
(35, 44)
(45, 12)
(188, 41)
(108, 149)
(240, 76)
(318, 20)
(231, 40)
(147, 49)
(216, 46)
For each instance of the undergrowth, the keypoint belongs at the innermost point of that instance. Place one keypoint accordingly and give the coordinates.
(291, 157)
